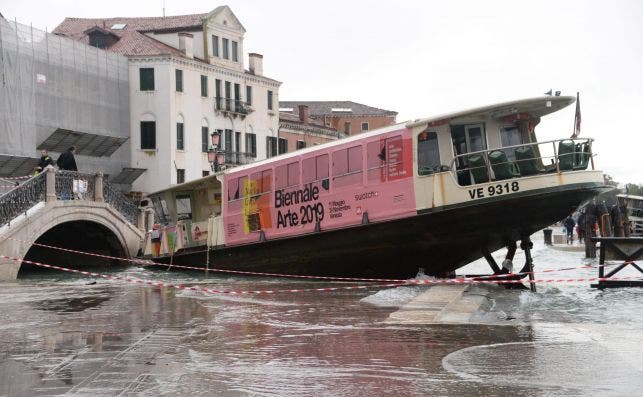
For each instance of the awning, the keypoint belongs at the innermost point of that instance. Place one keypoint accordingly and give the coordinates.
(127, 175)
(12, 166)
(86, 144)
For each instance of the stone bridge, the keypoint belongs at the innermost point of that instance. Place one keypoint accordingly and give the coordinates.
(70, 210)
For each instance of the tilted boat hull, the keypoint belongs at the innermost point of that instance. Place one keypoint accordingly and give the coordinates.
(439, 240)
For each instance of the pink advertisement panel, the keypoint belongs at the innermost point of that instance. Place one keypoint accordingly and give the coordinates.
(330, 188)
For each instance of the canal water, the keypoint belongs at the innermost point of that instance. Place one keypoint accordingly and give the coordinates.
(67, 334)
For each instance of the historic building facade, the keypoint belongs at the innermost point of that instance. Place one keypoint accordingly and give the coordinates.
(187, 81)
(300, 131)
(346, 116)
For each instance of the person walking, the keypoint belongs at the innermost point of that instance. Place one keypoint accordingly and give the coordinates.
(569, 226)
(44, 162)
(67, 161)
(581, 226)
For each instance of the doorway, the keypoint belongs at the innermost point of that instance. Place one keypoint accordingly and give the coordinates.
(467, 138)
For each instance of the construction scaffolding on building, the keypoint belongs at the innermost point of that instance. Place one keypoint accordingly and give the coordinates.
(56, 93)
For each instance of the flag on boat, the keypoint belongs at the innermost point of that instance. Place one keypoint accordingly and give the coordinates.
(577, 117)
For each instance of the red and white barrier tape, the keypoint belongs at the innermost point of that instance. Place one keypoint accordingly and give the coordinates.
(8, 186)
(201, 289)
(151, 263)
(329, 278)
(294, 290)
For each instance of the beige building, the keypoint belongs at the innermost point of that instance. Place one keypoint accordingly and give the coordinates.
(188, 80)
(300, 131)
(346, 116)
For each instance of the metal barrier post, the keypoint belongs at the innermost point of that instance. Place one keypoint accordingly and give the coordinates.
(556, 156)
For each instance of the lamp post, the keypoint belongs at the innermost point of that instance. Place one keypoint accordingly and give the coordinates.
(215, 157)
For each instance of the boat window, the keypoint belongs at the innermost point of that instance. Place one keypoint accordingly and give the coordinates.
(287, 175)
(233, 189)
(293, 174)
(243, 186)
(183, 207)
(266, 181)
(281, 177)
(308, 170)
(510, 136)
(428, 153)
(466, 138)
(322, 166)
(347, 166)
(161, 211)
(340, 162)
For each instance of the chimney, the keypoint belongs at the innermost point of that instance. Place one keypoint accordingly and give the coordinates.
(256, 64)
(186, 44)
(303, 113)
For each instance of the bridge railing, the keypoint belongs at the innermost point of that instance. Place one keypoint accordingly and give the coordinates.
(22, 197)
(75, 185)
(120, 203)
(64, 185)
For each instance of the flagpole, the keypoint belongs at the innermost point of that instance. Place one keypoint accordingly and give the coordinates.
(577, 117)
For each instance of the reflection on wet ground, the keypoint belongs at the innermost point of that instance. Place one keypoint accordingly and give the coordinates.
(64, 336)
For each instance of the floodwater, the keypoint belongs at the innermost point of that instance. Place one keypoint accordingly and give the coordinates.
(67, 334)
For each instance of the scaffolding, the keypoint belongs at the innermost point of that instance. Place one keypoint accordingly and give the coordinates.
(51, 83)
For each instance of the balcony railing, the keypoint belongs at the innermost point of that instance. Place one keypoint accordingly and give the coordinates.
(234, 106)
(238, 158)
(522, 160)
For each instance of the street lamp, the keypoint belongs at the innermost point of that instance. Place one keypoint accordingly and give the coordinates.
(215, 157)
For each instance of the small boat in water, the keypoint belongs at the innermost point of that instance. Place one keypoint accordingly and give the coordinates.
(434, 193)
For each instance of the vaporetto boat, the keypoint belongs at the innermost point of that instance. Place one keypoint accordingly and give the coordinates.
(434, 193)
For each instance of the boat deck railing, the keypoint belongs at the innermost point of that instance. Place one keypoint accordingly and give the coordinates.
(517, 161)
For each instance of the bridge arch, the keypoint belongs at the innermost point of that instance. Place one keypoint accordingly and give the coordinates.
(79, 225)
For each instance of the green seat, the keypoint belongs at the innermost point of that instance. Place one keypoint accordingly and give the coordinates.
(502, 168)
(566, 155)
(527, 161)
(582, 155)
(478, 168)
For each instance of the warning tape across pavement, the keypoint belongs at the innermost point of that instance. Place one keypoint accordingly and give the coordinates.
(146, 262)
(295, 290)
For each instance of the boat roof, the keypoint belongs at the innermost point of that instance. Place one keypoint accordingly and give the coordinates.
(191, 185)
(536, 107)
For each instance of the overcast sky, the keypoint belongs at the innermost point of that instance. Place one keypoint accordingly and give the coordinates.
(422, 58)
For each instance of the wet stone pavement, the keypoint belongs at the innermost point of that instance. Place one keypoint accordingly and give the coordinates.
(60, 334)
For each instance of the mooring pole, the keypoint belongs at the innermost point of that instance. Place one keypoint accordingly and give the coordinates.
(590, 230)
(526, 245)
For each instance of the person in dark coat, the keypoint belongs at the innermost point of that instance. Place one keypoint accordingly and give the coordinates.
(44, 162)
(569, 226)
(66, 161)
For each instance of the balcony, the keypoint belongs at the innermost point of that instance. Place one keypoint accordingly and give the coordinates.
(232, 107)
(233, 159)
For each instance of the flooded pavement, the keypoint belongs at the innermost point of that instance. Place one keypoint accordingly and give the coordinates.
(59, 334)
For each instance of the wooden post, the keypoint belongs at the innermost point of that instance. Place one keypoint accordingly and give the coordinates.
(590, 231)
(527, 245)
